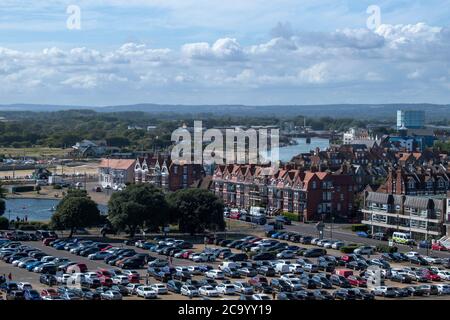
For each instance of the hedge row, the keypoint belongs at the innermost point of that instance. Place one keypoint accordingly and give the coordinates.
(30, 225)
(290, 216)
(360, 227)
(22, 189)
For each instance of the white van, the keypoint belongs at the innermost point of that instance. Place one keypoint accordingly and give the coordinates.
(228, 264)
(282, 268)
(402, 238)
(257, 211)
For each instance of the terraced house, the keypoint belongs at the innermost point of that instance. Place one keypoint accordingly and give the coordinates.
(423, 217)
(309, 194)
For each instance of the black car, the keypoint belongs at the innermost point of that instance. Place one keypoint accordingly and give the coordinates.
(314, 253)
(266, 271)
(8, 287)
(174, 286)
(182, 275)
(402, 278)
(231, 273)
(322, 295)
(306, 240)
(264, 256)
(343, 294)
(280, 285)
(324, 282)
(237, 257)
(15, 295)
(340, 281)
(418, 260)
(48, 279)
(91, 295)
(286, 296)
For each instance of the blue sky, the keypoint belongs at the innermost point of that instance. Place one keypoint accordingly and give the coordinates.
(233, 51)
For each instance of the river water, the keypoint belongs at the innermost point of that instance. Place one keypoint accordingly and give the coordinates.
(286, 153)
(34, 209)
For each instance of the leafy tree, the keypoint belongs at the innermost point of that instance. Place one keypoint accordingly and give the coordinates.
(137, 206)
(4, 223)
(75, 211)
(196, 210)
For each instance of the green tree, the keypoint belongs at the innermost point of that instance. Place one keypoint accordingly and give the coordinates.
(137, 206)
(75, 211)
(4, 223)
(196, 210)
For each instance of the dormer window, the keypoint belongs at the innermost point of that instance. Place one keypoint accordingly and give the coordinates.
(411, 184)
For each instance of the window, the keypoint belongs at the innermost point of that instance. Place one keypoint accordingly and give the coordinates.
(313, 185)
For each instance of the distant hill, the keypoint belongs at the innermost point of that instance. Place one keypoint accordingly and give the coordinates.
(361, 111)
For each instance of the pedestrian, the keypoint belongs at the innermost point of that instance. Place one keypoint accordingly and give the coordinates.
(10, 276)
(274, 295)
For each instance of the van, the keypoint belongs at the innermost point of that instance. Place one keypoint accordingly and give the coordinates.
(282, 268)
(228, 264)
(402, 238)
(257, 211)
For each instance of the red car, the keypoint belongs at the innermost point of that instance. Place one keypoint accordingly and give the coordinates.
(133, 278)
(438, 247)
(235, 215)
(186, 254)
(432, 276)
(49, 292)
(106, 282)
(106, 248)
(79, 267)
(257, 280)
(47, 241)
(357, 281)
(103, 273)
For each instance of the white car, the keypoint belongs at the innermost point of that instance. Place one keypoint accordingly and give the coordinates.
(111, 295)
(338, 245)
(98, 255)
(132, 287)
(215, 274)
(295, 268)
(443, 288)
(411, 254)
(433, 260)
(62, 279)
(208, 291)
(364, 250)
(189, 291)
(295, 284)
(202, 257)
(24, 286)
(288, 276)
(226, 288)
(146, 292)
(444, 274)
(160, 288)
(122, 279)
(286, 254)
(243, 287)
(195, 270)
(260, 297)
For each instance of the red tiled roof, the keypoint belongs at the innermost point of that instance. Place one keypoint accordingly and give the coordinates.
(121, 164)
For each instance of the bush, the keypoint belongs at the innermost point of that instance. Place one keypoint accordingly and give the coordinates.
(360, 227)
(386, 249)
(349, 248)
(31, 225)
(57, 187)
(290, 216)
(4, 223)
(22, 189)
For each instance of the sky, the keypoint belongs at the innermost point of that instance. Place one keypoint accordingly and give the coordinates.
(254, 52)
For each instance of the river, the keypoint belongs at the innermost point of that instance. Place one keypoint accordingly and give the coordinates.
(286, 153)
(34, 209)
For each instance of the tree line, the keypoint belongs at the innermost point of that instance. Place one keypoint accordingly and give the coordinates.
(142, 207)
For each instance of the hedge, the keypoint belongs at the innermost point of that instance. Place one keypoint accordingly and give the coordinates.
(290, 216)
(386, 249)
(4, 223)
(31, 225)
(349, 248)
(360, 227)
(22, 189)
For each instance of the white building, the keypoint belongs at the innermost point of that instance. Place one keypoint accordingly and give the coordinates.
(355, 134)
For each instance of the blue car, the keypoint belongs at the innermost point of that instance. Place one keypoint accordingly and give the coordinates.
(60, 246)
(275, 235)
(31, 295)
(362, 234)
(32, 265)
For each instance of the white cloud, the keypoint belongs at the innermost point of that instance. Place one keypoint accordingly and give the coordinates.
(343, 59)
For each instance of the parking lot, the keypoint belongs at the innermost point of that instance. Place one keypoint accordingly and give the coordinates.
(301, 269)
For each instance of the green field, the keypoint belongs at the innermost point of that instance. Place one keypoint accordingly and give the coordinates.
(34, 152)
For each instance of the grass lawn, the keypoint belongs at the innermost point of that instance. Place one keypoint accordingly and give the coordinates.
(34, 152)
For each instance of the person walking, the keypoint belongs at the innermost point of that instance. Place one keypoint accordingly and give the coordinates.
(10, 276)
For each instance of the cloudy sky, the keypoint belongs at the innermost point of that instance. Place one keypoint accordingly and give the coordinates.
(254, 52)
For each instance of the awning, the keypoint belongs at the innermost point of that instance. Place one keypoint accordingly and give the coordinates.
(378, 197)
(417, 202)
